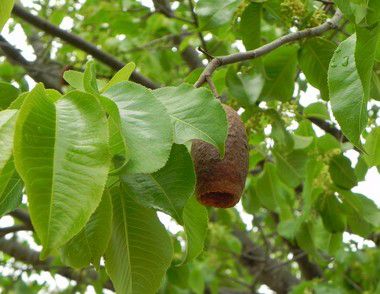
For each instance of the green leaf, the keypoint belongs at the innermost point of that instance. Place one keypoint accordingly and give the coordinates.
(195, 218)
(61, 152)
(74, 78)
(7, 127)
(214, 13)
(291, 166)
(169, 188)
(355, 12)
(304, 237)
(347, 96)
(91, 242)
(302, 142)
(280, 66)
(335, 243)
(317, 110)
(327, 143)
(8, 93)
(10, 183)
(187, 109)
(245, 87)
(311, 191)
(121, 76)
(197, 280)
(146, 127)
(373, 12)
(5, 11)
(332, 214)
(89, 79)
(140, 250)
(289, 228)
(360, 207)
(250, 26)
(118, 145)
(361, 169)
(366, 43)
(10, 188)
(372, 148)
(268, 188)
(342, 173)
(314, 59)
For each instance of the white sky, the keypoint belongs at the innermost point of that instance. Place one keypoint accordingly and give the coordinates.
(369, 187)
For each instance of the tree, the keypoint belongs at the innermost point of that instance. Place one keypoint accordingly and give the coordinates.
(98, 147)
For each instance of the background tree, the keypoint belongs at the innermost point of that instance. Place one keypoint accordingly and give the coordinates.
(96, 156)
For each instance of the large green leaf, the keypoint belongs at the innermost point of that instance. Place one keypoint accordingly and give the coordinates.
(169, 188)
(250, 26)
(341, 172)
(268, 188)
(331, 211)
(366, 43)
(10, 188)
(140, 250)
(195, 114)
(195, 220)
(361, 207)
(372, 148)
(146, 126)
(7, 127)
(314, 59)
(61, 152)
(8, 93)
(347, 96)
(214, 13)
(91, 242)
(5, 11)
(280, 66)
(291, 166)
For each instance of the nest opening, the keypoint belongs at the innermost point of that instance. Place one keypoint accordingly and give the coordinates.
(218, 199)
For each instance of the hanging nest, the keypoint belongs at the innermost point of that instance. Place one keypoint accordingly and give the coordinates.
(220, 181)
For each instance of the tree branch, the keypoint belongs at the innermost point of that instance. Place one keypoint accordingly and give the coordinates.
(22, 216)
(13, 229)
(252, 54)
(78, 42)
(275, 274)
(28, 256)
(328, 128)
(189, 54)
(32, 68)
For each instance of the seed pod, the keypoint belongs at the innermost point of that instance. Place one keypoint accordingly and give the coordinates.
(220, 181)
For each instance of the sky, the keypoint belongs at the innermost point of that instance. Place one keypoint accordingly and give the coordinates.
(369, 187)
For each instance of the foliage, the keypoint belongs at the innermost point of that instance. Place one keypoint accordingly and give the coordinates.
(102, 157)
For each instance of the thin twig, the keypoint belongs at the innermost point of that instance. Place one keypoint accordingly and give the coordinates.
(212, 87)
(196, 23)
(295, 258)
(290, 38)
(204, 51)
